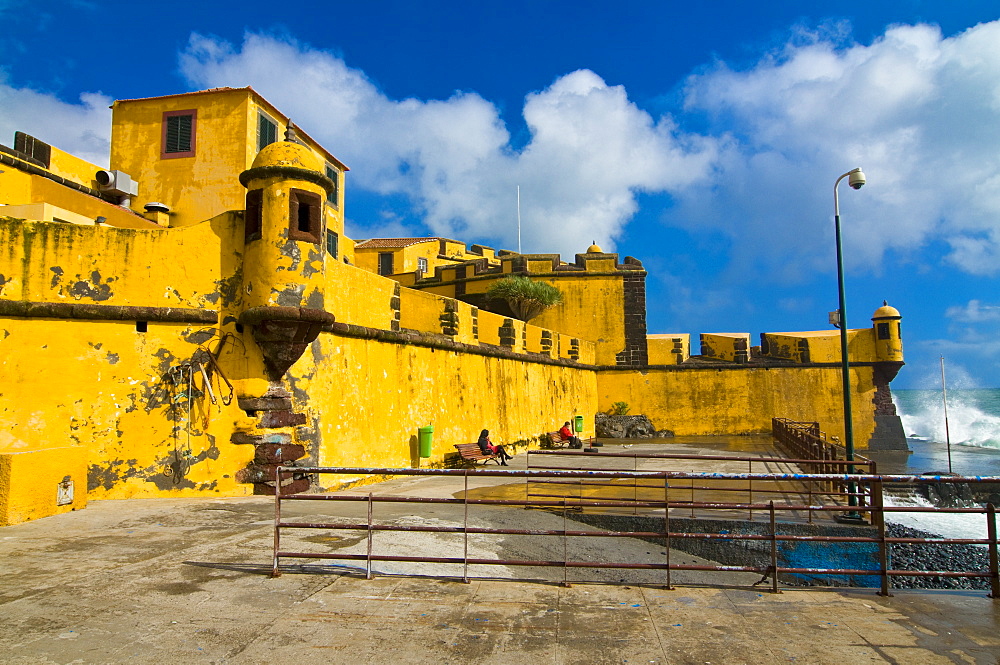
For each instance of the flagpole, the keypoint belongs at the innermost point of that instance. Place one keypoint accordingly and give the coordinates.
(518, 219)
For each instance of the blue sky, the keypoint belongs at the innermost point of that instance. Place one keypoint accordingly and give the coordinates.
(702, 138)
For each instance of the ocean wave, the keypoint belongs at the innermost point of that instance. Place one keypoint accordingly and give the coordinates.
(944, 525)
(972, 417)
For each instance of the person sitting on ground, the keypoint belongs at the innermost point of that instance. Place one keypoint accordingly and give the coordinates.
(487, 448)
(566, 433)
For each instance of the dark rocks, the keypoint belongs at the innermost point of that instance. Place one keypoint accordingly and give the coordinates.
(274, 419)
(265, 403)
(947, 495)
(912, 556)
(626, 427)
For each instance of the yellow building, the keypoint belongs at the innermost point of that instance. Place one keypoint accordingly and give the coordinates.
(188, 150)
(185, 321)
(412, 258)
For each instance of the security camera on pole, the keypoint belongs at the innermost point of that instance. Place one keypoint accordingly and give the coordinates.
(856, 179)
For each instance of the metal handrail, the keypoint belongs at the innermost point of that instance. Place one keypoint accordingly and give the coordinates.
(876, 511)
(812, 489)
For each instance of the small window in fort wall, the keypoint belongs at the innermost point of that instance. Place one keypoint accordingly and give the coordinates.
(178, 133)
(422, 265)
(385, 262)
(332, 240)
(267, 131)
(305, 221)
(253, 218)
(333, 196)
(883, 330)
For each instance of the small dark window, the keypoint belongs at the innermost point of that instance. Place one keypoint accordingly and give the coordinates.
(385, 263)
(883, 330)
(331, 243)
(305, 210)
(253, 217)
(267, 131)
(178, 134)
(334, 175)
(141, 326)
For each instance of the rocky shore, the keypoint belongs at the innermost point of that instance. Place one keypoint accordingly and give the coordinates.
(907, 556)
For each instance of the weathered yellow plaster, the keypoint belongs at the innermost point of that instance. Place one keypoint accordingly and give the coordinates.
(668, 349)
(725, 346)
(30, 481)
(707, 401)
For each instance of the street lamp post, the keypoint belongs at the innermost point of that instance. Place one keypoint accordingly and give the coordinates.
(856, 179)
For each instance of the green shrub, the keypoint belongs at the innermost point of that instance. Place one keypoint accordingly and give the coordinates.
(619, 409)
(526, 298)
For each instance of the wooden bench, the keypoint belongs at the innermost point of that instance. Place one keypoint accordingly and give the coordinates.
(471, 453)
(557, 440)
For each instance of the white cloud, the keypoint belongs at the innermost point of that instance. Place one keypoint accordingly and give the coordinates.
(83, 129)
(916, 110)
(974, 312)
(591, 149)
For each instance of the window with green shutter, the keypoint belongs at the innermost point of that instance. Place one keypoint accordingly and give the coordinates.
(331, 243)
(179, 133)
(267, 131)
(334, 194)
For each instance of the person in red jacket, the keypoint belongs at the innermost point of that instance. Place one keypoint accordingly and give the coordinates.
(567, 433)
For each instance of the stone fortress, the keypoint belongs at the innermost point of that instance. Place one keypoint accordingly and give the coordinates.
(181, 323)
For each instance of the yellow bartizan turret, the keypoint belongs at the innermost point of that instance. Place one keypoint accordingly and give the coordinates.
(284, 258)
(888, 337)
(284, 230)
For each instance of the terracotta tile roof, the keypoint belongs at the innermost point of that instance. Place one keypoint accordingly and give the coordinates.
(393, 243)
(183, 94)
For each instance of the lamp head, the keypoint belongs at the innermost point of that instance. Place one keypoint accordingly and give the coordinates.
(856, 178)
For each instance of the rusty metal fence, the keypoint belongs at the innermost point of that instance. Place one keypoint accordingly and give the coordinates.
(660, 508)
(588, 489)
(805, 440)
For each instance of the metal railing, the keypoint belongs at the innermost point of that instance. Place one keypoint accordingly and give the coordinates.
(658, 508)
(585, 489)
(805, 440)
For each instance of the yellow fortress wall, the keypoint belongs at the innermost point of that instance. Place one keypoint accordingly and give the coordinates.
(195, 355)
(707, 401)
(78, 370)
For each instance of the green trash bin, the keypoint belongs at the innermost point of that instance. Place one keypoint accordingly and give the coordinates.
(426, 438)
(578, 423)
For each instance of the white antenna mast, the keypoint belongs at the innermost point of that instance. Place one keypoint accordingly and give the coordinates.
(518, 219)
(944, 397)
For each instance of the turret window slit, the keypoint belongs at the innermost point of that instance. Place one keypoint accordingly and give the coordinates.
(305, 216)
(253, 216)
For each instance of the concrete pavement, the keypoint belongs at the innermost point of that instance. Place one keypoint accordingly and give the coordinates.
(185, 581)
